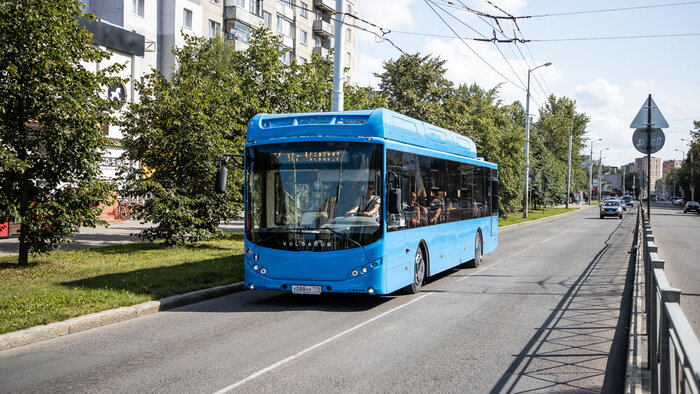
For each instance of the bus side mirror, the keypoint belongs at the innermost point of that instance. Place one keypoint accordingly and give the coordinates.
(394, 200)
(221, 178)
(494, 195)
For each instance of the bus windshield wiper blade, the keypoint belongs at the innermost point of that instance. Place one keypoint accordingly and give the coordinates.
(338, 233)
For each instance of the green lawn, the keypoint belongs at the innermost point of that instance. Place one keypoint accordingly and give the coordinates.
(534, 214)
(65, 284)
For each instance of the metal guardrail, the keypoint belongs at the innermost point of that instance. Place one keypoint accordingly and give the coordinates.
(674, 349)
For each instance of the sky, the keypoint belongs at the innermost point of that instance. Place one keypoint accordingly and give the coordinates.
(609, 78)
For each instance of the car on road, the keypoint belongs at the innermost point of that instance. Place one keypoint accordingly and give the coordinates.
(629, 201)
(677, 201)
(691, 206)
(611, 208)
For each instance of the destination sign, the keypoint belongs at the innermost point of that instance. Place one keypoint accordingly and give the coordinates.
(310, 157)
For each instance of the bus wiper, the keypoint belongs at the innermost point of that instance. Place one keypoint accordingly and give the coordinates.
(337, 233)
(270, 237)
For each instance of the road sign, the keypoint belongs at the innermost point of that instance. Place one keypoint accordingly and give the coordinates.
(657, 120)
(640, 138)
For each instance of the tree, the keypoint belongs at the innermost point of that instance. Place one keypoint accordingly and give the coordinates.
(177, 132)
(51, 116)
(550, 134)
(416, 86)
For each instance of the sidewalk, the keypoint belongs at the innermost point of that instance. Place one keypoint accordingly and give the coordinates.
(115, 234)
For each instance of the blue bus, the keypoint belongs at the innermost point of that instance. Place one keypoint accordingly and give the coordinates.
(364, 201)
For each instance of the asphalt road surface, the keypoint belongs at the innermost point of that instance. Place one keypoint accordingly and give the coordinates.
(542, 313)
(677, 235)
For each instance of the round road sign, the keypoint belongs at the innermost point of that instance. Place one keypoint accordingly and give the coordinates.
(640, 138)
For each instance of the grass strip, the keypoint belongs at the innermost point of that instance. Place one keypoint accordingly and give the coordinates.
(65, 284)
(534, 215)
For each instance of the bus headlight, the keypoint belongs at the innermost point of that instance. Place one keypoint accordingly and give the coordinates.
(364, 270)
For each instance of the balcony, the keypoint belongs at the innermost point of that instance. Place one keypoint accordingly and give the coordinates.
(322, 28)
(322, 52)
(241, 14)
(326, 5)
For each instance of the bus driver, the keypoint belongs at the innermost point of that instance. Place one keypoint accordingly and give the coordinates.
(368, 204)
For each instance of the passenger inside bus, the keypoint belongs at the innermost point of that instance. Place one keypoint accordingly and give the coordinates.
(419, 213)
(437, 206)
(367, 204)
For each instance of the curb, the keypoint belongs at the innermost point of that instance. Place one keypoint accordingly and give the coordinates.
(98, 319)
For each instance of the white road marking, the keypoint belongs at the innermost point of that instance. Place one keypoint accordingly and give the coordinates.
(316, 346)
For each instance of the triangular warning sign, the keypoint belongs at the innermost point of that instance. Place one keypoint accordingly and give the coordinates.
(657, 120)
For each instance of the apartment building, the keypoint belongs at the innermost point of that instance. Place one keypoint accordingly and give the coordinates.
(305, 27)
(641, 166)
(669, 164)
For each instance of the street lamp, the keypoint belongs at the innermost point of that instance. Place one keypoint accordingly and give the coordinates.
(678, 150)
(600, 164)
(527, 137)
(590, 173)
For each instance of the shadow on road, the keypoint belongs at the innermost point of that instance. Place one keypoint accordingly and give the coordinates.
(590, 324)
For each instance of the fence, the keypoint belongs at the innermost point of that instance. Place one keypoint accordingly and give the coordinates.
(674, 349)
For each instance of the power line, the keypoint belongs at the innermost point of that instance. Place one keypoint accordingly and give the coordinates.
(497, 48)
(617, 37)
(467, 45)
(512, 17)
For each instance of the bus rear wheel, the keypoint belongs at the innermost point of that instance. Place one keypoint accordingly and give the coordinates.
(478, 251)
(418, 273)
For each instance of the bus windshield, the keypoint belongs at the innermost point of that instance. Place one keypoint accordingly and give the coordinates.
(314, 196)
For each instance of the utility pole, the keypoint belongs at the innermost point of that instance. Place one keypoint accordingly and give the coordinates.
(568, 170)
(337, 96)
(590, 173)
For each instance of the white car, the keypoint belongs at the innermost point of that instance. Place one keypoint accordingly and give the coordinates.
(677, 201)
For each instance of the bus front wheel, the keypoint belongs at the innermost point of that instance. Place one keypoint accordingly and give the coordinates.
(418, 273)
(478, 252)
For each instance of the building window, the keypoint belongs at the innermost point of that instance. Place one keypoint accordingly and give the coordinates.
(242, 32)
(216, 1)
(187, 18)
(286, 57)
(138, 7)
(267, 18)
(303, 37)
(302, 60)
(350, 9)
(286, 5)
(256, 7)
(348, 58)
(317, 41)
(304, 10)
(240, 3)
(284, 26)
(348, 35)
(214, 28)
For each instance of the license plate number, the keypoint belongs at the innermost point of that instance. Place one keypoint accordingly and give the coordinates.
(300, 289)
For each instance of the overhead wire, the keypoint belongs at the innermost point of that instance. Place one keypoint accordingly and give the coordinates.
(470, 48)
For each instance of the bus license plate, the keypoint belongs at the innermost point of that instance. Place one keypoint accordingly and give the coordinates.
(299, 289)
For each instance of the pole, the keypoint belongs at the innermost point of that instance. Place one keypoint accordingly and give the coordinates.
(692, 179)
(568, 170)
(600, 184)
(337, 97)
(527, 146)
(590, 176)
(649, 158)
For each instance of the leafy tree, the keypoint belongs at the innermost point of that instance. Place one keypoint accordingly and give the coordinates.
(51, 116)
(550, 142)
(480, 115)
(416, 86)
(177, 132)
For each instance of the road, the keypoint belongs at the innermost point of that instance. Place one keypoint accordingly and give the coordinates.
(541, 313)
(678, 237)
